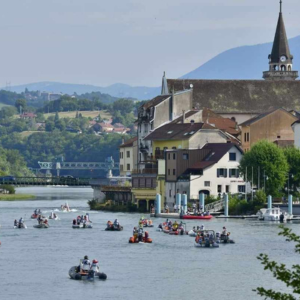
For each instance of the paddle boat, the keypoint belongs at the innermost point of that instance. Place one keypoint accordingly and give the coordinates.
(36, 213)
(206, 239)
(175, 229)
(77, 273)
(273, 214)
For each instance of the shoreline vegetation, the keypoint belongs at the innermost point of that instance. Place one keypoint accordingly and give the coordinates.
(111, 207)
(16, 197)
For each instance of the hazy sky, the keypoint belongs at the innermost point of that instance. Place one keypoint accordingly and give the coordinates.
(130, 41)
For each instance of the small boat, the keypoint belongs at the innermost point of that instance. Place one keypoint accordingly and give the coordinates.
(82, 225)
(53, 216)
(34, 216)
(76, 274)
(114, 228)
(206, 245)
(132, 240)
(225, 239)
(206, 239)
(20, 226)
(273, 214)
(195, 217)
(42, 225)
(65, 208)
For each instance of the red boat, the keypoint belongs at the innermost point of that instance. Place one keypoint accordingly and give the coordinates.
(193, 217)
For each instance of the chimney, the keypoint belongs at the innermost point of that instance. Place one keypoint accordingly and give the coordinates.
(183, 116)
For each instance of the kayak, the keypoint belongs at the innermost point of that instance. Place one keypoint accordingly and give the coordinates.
(192, 217)
(82, 226)
(43, 225)
(90, 276)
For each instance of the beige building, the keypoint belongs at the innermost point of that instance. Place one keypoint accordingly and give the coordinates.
(128, 156)
(273, 126)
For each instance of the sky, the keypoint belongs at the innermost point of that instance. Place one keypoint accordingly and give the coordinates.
(128, 41)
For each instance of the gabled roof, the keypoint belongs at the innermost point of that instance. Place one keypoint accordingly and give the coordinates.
(261, 116)
(128, 143)
(173, 131)
(217, 151)
(155, 101)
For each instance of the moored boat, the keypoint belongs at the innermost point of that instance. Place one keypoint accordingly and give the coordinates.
(273, 214)
(195, 217)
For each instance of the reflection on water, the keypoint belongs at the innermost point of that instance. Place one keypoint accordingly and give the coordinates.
(36, 261)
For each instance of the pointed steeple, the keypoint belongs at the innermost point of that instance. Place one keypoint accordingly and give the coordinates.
(280, 60)
(164, 85)
(281, 45)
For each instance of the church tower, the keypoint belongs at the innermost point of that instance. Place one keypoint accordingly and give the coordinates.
(280, 60)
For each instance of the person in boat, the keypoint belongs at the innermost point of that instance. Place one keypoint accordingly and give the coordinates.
(54, 214)
(202, 227)
(160, 226)
(140, 234)
(146, 236)
(15, 223)
(194, 228)
(175, 226)
(224, 232)
(74, 222)
(95, 266)
(85, 264)
(78, 220)
(35, 211)
(116, 223)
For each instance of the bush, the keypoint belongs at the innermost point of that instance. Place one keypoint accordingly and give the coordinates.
(10, 188)
(109, 206)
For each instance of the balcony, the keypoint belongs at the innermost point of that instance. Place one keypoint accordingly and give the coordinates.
(145, 171)
(143, 148)
(159, 154)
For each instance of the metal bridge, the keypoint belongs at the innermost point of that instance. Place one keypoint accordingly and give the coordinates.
(44, 181)
(77, 166)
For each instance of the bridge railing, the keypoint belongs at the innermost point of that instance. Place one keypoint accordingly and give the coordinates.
(45, 181)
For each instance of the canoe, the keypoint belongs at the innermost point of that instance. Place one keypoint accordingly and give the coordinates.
(192, 217)
(91, 276)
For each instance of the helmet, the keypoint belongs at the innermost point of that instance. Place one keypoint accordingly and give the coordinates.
(95, 261)
(224, 227)
(86, 257)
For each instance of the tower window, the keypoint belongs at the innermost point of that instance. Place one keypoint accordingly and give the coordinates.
(283, 68)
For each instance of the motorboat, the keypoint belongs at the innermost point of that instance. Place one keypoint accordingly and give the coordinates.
(65, 208)
(273, 214)
(206, 239)
(53, 216)
(195, 217)
(77, 273)
(113, 227)
(193, 232)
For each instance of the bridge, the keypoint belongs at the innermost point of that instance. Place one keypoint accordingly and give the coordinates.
(44, 181)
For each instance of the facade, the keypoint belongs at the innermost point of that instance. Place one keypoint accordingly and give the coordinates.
(128, 157)
(296, 130)
(213, 170)
(272, 126)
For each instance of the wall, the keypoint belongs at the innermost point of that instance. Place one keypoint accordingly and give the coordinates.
(162, 113)
(182, 101)
(297, 135)
(176, 187)
(179, 144)
(204, 136)
(126, 160)
(239, 117)
(210, 174)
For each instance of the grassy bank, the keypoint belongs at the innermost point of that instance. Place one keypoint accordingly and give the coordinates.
(109, 206)
(15, 197)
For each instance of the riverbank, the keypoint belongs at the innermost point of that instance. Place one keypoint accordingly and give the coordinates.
(16, 197)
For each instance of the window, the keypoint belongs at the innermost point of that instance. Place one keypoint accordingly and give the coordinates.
(241, 189)
(248, 136)
(128, 154)
(174, 172)
(169, 156)
(227, 188)
(174, 155)
(169, 172)
(120, 155)
(206, 183)
(219, 188)
(128, 167)
(165, 148)
(170, 193)
(232, 156)
(278, 136)
(221, 172)
(185, 156)
(121, 167)
(174, 148)
(245, 137)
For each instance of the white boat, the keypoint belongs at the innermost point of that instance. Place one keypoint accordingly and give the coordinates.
(65, 208)
(53, 216)
(82, 225)
(273, 214)
(20, 226)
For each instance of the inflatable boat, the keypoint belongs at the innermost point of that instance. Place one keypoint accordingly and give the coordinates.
(20, 226)
(90, 276)
(42, 225)
(194, 217)
(81, 225)
(207, 245)
(114, 228)
(34, 216)
(225, 239)
(136, 241)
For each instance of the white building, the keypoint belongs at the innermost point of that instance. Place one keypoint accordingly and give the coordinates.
(128, 157)
(296, 129)
(215, 174)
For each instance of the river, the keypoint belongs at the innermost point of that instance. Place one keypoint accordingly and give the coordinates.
(34, 263)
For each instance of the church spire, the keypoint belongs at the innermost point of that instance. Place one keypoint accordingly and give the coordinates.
(164, 85)
(280, 59)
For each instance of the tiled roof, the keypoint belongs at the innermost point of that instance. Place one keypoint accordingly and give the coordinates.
(224, 124)
(155, 101)
(128, 143)
(176, 131)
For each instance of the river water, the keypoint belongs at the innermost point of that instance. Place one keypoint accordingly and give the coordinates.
(34, 263)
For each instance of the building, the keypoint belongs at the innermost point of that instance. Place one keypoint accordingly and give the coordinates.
(271, 126)
(128, 156)
(279, 89)
(212, 170)
(28, 116)
(296, 130)
(106, 127)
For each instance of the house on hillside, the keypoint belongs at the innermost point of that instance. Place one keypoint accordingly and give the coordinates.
(28, 116)
(106, 127)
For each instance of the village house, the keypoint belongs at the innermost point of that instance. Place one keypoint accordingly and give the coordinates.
(128, 156)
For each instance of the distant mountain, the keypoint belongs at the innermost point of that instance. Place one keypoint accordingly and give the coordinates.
(246, 62)
(116, 90)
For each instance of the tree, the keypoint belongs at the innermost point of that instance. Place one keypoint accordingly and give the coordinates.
(123, 105)
(50, 125)
(290, 277)
(56, 118)
(267, 158)
(7, 112)
(293, 158)
(20, 105)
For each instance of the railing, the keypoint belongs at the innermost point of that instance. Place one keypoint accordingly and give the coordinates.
(215, 206)
(45, 181)
(145, 171)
